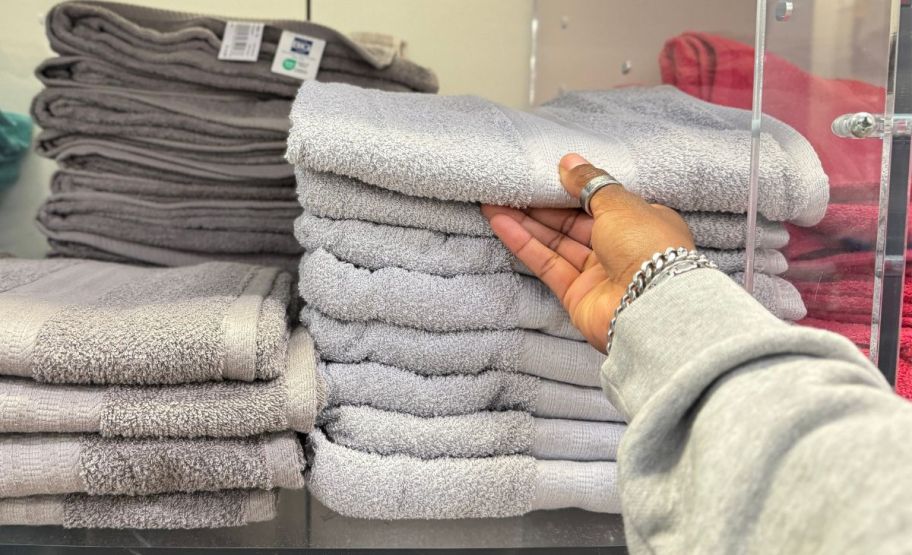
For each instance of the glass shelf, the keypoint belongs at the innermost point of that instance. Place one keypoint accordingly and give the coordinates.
(304, 525)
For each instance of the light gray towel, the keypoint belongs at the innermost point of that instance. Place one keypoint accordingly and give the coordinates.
(203, 227)
(75, 181)
(89, 72)
(217, 509)
(96, 322)
(433, 303)
(466, 302)
(122, 158)
(44, 464)
(388, 388)
(663, 144)
(184, 47)
(480, 434)
(192, 118)
(461, 352)
(78, 244)
(208, 409)
(342, 198)
(375, 246)
(367, 485)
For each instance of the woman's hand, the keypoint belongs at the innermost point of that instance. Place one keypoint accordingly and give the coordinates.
(589, 261)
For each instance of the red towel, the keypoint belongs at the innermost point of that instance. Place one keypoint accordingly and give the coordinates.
(831, 264)
(721, 71)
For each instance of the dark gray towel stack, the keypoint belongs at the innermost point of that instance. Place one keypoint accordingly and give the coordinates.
(170, 156)
(136, 397)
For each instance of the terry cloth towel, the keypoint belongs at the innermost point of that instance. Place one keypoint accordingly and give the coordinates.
(341, 198)
(183, 47)
(375, 246)
(388, 388)
(203, 227)
(192, 118)
(39, 464)
(122, 158)
(85, 71)
(462, 352)
(86, 245)
(208, 409)
(480, 434)
(720, 70)
(76, 321)
(49, 143)
(433, 303)
(367, 485)
(466, 302)
(661, 143)
(75, 181)
(216, 509)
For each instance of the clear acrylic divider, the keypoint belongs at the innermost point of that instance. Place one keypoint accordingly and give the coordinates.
(826, 73)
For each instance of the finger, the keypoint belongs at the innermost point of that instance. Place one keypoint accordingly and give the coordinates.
(572, 251)
(569, 221)
(554, 271)
(576, 173)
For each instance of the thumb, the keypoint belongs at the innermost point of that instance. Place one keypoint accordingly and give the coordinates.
(576, 172)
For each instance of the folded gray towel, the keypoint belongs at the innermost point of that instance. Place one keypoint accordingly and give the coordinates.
(403, 487)
(460, 352)
(375, 246)
(78, 244)
(50, 142)
(465, 302)
(433, 303)
(193, 118)
(479, 434)
(215, 509)
(208, 409)
(43, 464)
(342, 198)
(184, 48)
(86, 71)
(388, 388)
(663, 144)
(120, 157)
(94, 322)
(75, 181)
(203, 227)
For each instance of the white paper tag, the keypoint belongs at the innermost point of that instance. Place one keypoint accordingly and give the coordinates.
(298, 56)
(241, 41)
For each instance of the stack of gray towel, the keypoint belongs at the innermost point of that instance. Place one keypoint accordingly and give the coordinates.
(170, 156)
(457, 387)
(136, 397)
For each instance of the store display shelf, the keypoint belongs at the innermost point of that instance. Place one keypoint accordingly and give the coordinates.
(306, 526)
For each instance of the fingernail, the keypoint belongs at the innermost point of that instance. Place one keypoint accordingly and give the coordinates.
(571, 161)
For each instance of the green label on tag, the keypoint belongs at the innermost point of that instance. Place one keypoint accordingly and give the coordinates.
(288, 63)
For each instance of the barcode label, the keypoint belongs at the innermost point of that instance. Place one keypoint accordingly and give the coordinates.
(241, 41)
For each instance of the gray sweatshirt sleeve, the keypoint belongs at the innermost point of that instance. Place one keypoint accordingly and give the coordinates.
(748, 434)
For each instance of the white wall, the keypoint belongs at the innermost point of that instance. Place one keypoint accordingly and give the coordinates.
(582, 44)
(475, 46)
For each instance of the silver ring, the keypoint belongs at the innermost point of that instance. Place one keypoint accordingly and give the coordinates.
(593, 187)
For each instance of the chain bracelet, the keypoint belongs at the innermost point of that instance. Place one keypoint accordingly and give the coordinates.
(657, 269)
